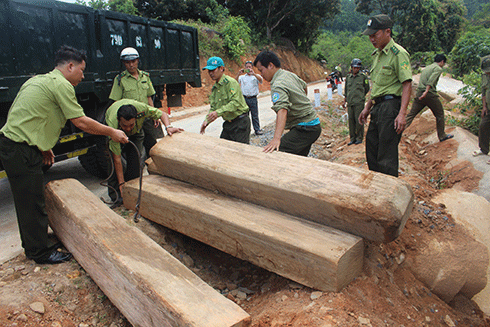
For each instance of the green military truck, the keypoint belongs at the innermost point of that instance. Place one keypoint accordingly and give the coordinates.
(32, 31)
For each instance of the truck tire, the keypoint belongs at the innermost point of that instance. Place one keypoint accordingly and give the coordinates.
(95, 161)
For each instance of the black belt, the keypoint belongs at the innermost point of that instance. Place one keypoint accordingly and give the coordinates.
(380, 99)
(241, 116)
(251, 97)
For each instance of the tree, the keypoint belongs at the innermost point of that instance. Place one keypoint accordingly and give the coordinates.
(297, 20)
(466, 54)
(424, 25)
(206, 11)
(348, 20)
(124, 6)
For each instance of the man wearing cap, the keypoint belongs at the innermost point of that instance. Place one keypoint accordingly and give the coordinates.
(292, 106)
(356, 88)
(226, 101)
(427, 96)
(391, 77)
(484, 132)
(250, 89)
(136, 84)
(129, 116)
(40, 110)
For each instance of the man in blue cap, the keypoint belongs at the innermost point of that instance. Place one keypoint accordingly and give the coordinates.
(227, 101)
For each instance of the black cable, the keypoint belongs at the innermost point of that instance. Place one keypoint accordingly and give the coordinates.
(105, 182)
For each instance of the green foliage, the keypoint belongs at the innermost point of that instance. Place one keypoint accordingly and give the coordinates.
(207, 11)
(124, 6)
(465, 56)
(348, 20)
(482, 18)
(341, 48)
(472, 103)
(474, 6)
(236, 35)
(422, 25)
(422, 58)
(210, 41)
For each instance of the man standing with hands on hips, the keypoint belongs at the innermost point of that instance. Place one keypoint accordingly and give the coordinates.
(391, 77)
(250, 89)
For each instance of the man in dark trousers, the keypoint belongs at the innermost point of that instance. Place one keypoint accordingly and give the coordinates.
(391, 77)
(427, 96)
(38, 113)
(356, 88)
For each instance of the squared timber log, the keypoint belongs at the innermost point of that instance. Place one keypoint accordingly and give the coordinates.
(147, 284)
(358, 201)
(309, 253)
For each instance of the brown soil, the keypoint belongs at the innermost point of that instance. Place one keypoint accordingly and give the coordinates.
(385, 294)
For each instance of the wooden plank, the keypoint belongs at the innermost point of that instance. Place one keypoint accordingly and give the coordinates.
(361, 202)
(147, 284)
(309, 253)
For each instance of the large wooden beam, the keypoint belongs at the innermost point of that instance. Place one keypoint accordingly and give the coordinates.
(358, 201)
(309, 253)
(147, 284)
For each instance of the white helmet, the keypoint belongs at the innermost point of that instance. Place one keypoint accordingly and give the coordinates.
(129, 54)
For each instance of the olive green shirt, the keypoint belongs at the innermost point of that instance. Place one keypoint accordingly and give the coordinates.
(125, 86)
(430, 76)
(356, 88)
(40, 110)
(227, 99)
(485, 88)
(391, 67)
(144, 110)
(288, 92)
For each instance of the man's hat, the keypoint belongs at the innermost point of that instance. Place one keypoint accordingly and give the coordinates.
(485, 64)
(376, 23)
(213, 63)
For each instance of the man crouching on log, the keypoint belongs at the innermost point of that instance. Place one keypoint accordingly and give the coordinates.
(39, 112)
(129, 115)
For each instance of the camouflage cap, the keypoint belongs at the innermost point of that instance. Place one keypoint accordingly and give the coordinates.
(376, 23)
(485, 64)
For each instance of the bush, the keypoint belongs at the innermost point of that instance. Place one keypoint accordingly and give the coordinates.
(465, 56)
(472, 104)
(236, 37)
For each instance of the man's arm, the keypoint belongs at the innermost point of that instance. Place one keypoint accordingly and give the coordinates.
(484, 110)
(274, 144)
(425, 92)
(91, 126)
(365, 112)
(118, 168)
(400, 119)
(258, 77)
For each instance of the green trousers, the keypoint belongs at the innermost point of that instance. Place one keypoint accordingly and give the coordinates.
(356, 129)
(237, 130)
(23, 165)
(432, 101)
(299, 139)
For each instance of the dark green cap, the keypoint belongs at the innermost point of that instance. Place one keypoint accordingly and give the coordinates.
(485, 64)
(378, 22)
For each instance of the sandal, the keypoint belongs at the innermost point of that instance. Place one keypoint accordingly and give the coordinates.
(477, 153)
(488, 162)
(447, 137)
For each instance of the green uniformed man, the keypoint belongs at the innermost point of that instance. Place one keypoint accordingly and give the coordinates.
(227, 101)
(292, 106)
(484, 132)
(391, 77)
(356, 88)
(136, 84)
(39, 112)
(129, 116)
(427, 96)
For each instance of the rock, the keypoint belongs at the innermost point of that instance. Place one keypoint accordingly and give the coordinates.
(187, 260)
(315, 295)
(241, 295)
(364, 321)
(37, 307)
(231, 286)
(22, 317)
(56, 324)
(449, 321)
(82, 324)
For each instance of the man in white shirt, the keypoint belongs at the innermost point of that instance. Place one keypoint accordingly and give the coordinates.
(249, 84)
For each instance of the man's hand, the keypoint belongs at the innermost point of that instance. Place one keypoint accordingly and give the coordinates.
(172, 130)
(48, 157)
(157, 122)
(423, 95)
(400, 123)
(363, 116)
(119, 136)
(484, 112)
(273, 145)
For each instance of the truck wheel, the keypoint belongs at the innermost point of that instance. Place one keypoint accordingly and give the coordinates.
(95, 161)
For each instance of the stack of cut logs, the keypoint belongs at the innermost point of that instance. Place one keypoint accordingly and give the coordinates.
(302, 218)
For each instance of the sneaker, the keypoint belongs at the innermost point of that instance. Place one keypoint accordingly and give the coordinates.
(259, 132)
(477, 153)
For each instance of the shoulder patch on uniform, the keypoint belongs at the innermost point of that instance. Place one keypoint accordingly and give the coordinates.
(140, 115)
(232, 90)
(146, 73)
(275, 97)
(405, 65)
(395, 50)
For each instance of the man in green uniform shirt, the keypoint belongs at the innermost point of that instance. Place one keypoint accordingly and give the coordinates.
(129, 116)
(356, 88)
(427, 96)
(484, 132)
(292, 106)
(39, 112)
(227, 101)
(136, 84)
(391, 77)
